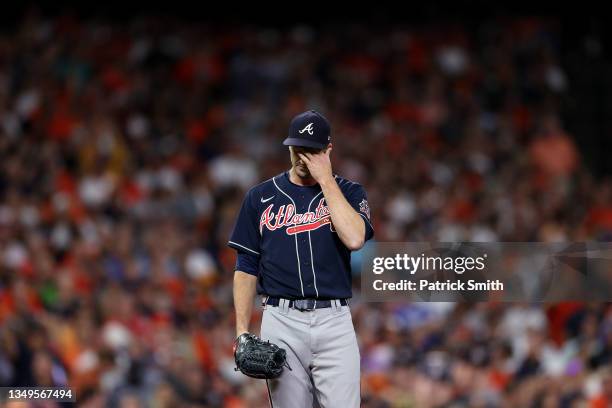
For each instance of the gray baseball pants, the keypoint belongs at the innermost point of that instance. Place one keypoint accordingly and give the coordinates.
(323, 354)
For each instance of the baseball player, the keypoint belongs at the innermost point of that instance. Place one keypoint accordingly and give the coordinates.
(294, 236)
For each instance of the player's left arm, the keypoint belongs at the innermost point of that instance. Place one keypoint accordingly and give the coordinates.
(347, 222)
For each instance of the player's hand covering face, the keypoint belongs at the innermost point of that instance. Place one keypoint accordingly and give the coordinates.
(317, 163)
(301, 169)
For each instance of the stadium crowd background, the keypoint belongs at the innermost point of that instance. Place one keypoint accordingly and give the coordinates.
(126, 150)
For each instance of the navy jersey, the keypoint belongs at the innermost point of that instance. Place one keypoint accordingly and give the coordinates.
(288, 229)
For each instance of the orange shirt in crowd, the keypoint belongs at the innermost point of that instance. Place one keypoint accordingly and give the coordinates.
(555, 154)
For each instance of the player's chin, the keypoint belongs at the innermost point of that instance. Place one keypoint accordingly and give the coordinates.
(302, 171)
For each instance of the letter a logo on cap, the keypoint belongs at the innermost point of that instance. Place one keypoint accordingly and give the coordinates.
(307, 128)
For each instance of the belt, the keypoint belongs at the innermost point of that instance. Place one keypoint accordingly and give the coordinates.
(304, 304)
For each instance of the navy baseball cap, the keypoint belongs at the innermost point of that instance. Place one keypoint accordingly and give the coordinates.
(309, 129)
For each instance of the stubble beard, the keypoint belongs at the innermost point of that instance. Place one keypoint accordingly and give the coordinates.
(302, 172)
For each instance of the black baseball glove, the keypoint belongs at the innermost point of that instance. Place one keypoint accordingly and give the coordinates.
(257, 358)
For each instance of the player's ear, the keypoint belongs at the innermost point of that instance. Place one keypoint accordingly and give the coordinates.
(329, 148)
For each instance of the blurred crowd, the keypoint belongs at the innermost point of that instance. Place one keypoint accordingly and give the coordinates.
(127, 148)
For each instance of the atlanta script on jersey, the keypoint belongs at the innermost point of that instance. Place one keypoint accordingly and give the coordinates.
(289, 228)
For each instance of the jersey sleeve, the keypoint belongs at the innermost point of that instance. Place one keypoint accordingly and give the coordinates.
(358, 199)
(248, 263)
(245, 236)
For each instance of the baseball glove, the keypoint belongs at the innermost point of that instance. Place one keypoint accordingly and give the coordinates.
(257, 358)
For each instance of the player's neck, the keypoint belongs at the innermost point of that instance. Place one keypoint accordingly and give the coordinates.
(300, 181)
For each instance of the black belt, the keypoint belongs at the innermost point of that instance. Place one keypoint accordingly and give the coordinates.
(304, 304)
